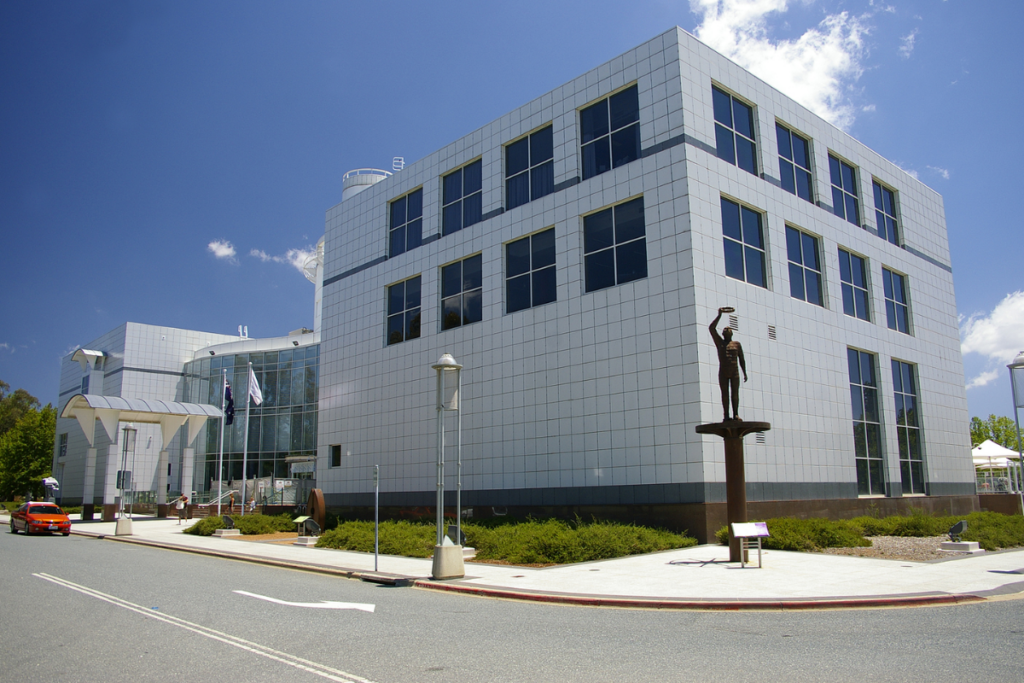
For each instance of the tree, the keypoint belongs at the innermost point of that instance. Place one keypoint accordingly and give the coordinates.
(1001, 430)
(14, 406)
(26, 453)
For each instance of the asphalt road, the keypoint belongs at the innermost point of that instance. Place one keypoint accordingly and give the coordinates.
(82, 609)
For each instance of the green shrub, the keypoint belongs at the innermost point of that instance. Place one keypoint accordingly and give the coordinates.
(263, 524)
(723, 535)
(807, 535)
(205, 527)
(403, 538)
(993, 531)
(556, 542)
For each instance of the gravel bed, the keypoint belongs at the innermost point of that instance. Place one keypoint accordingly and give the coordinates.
(905, 548)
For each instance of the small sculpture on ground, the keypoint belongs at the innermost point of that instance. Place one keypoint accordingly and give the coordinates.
(730, 362)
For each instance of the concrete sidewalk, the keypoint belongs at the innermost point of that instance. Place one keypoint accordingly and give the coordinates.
(692, 578)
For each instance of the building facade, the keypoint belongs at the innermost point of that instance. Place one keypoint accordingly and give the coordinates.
(571, 255)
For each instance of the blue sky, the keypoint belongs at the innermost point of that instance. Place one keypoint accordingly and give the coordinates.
(136, 137)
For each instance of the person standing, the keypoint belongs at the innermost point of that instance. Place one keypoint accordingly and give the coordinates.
(181, 506)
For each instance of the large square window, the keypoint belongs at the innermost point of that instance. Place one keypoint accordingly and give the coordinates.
(744, 243)
(854, 277)
(530, 271)
(844, 190)
(462, 196)
(804, 266)
(461, 292)
(734, 131)
(406, 219)
(794, 163)
(529, 168)
(867, 428)
(908, 427)
(615, 245)
(403, 321)
(897, 305)
(610, 132)
(885, 212)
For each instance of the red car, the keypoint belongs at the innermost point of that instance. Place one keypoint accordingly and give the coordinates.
(38, 517)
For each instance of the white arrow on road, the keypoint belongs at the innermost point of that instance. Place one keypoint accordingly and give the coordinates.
(317, 605)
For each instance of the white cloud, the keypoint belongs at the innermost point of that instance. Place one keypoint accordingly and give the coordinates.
(983, 379)
(909, 171)
(816, 69)
(907, 44)
(941, 171)
(222, 249)
(6, 347)
(998, 336)
(293, 257)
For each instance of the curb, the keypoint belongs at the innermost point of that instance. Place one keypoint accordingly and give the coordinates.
(683, 604)
(706, 605)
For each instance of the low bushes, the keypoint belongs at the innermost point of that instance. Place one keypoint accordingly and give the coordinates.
(205, 527)
(517, 542)
(991, 530)
(248, 525)
(264, 524)
(403, 538)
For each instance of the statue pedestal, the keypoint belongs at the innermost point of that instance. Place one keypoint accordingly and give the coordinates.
(733, 431)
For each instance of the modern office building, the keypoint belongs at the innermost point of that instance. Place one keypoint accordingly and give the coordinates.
(571, 255)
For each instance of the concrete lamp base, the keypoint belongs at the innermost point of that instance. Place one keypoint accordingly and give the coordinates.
(448, 562)
(123, 527)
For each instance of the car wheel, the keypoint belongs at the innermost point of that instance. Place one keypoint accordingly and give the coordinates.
(27, 529)
(14, 529)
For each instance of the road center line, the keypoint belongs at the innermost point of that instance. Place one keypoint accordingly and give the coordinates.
(291, 660)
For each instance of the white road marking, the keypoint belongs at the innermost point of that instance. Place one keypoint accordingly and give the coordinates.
(321, 670)
(321, 605)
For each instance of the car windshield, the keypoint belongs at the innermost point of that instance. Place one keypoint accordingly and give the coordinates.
(45, 510)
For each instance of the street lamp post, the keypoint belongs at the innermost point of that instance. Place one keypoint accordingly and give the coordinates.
(448, 562)
(123, 527)
(1017, 387)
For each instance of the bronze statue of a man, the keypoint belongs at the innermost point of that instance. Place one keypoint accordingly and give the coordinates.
(730, 362)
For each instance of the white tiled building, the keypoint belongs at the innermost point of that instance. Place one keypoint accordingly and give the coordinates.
(580, 246)
(133, 361)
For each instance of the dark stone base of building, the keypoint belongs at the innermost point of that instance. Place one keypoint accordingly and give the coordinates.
(699, 520)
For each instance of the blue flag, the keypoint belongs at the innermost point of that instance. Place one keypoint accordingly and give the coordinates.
(229, 407)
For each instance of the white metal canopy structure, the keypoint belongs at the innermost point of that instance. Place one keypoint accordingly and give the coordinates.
(109, 410)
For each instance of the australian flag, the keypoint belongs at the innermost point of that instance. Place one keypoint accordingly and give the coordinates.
(229, 407)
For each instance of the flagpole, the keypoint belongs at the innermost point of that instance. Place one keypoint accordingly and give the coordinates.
(220, 458)
(245, 439)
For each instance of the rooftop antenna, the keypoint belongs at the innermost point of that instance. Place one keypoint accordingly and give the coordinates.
(398, 163)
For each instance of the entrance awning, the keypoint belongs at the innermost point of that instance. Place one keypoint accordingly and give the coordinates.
(109, 410)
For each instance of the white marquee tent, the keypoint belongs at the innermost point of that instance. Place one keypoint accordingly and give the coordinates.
(991, 457)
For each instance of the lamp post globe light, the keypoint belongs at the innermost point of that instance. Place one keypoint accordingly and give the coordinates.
(1017, 387)
(448, 562)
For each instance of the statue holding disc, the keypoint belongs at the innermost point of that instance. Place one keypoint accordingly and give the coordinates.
(730, 362)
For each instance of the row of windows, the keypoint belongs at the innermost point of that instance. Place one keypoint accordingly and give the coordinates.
(736, 143)
(614, 252)
(743, 237)
(610, 138)
(867, 425)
